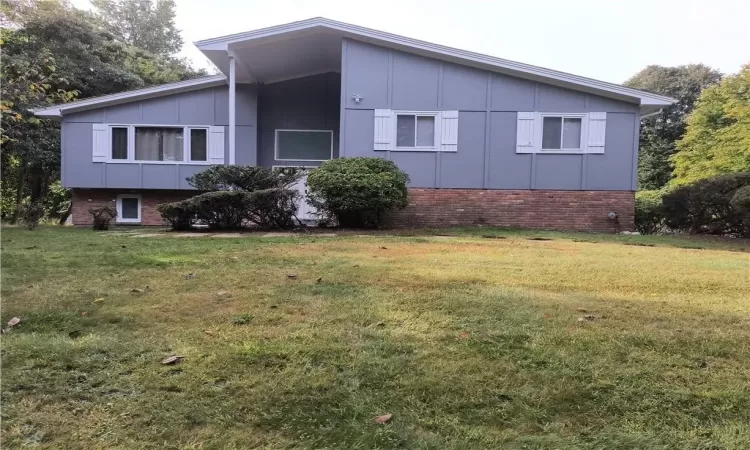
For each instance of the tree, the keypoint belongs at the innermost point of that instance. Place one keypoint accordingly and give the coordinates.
(145, 24)
(717, 139)
(659, 132)
(52, 53)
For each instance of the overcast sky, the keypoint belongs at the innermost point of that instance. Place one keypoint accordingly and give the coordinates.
(603, 39)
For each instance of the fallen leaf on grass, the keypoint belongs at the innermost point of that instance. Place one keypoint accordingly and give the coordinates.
(292, 276)
(319, 280)
(222, 293)
(189, 276)
(99, 300)
(586, 317)
(383, 248)
(581, 309)
(174, 359)
(30, 248)
(14, 321)
(385, 418)
(137, 291)
(463, 335)
(208, 332)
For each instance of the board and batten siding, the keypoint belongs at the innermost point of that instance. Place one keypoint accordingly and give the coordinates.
(207, 107)
(307, 103)
(488, 105)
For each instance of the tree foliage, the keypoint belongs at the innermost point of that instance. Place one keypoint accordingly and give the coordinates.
(659, 132)
(717, 139)
(145, 24)
(53, 53)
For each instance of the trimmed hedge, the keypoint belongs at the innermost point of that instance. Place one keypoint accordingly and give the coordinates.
(706, 205)
(231, 210)
(357, 192)
(244, 178)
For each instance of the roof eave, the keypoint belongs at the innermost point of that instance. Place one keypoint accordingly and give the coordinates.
(57, 111)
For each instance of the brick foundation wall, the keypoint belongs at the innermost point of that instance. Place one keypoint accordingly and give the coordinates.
(83, 199)
(555, 210)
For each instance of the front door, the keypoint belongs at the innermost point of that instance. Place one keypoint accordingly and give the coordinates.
(305, 211)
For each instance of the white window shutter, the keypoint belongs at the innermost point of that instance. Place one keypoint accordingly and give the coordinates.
(385, 129)
(448, 131)
(525, 126)
(100, 145)
(216, 145)
(597, 127)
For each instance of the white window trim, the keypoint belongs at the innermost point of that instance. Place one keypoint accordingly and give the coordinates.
(562, 151)
(186, 160)
(435, 147)
(276, 144)
(118, 206)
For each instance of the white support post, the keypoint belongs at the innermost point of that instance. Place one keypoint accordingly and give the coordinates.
(232, 118)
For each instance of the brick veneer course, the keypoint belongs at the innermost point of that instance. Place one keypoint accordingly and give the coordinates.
(83, 199)
(544, 209)
(555, 210)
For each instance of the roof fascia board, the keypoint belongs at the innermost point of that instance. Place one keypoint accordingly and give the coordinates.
(442, 52)
(130, 96)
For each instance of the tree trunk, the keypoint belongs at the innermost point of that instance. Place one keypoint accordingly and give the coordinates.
(19, 193)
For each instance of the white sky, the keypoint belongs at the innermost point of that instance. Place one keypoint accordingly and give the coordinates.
(608, 40)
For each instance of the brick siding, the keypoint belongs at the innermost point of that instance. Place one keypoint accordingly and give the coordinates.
(556, 210)
(83, 199)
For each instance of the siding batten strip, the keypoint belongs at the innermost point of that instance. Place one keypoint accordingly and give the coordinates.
(532, 183)
(487, 132)
(438, 155)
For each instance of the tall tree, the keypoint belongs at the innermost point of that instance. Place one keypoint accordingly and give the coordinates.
(718, 132)
(660, 132)
(146, 24)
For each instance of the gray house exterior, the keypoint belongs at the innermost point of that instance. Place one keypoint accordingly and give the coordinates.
(484, 140)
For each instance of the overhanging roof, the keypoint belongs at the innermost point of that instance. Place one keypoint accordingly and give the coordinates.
(219, 49)
(129, 96)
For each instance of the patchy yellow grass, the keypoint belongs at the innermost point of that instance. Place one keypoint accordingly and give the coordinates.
(470, 342)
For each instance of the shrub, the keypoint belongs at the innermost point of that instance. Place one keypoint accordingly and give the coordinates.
(245, 178)
(226, 210)
(357, 192)
(179, 215)
(705, 206)
(741, 204)
(649, 217)
(273, 208)
(220, 210)
(32, 213)
(102, 217)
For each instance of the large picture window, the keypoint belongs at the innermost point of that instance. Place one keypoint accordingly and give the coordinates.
(304, 145)
(159, 144)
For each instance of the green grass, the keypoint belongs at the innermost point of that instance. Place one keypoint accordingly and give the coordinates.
(471, 340)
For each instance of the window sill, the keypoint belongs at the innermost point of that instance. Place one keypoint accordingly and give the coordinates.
(420, 150)
(168, 163)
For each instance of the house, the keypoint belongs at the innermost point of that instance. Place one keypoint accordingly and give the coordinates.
(483, 139)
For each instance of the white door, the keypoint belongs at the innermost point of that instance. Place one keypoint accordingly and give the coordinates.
(305, 212)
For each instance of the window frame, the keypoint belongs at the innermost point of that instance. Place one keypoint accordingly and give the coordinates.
(118, 207)
(562, 116)
(422, 148)
(296, 130)
(186, 153)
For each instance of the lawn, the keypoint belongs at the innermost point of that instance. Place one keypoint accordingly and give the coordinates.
(481, 339)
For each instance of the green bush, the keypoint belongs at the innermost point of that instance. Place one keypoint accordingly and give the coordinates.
(102, 217)
(273, 208)
(31, 214)
(245, 178)
(180, 215)
(57, 202)
(228, 210)
(357, 192)
(741, 204)
(649, 217)
(705, 206)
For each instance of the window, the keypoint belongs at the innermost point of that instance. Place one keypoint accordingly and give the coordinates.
(119, 143)
(128, 208)
(561, 133)
(304, 145)
(415, 131)
(160, 144)
(198, 144)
